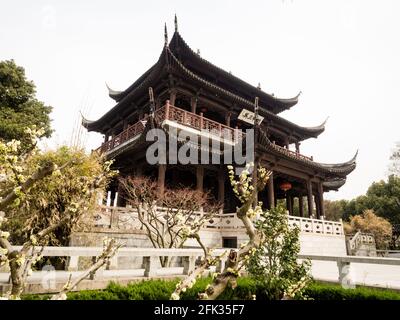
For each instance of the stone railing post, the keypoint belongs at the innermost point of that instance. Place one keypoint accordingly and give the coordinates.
(188, 264)
(94, 275)
(344, 274)
(72, 264)
(113, 264)
(221, 265)
(149, 265)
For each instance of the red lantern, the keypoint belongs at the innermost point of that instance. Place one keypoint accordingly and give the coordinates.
(203, 109)
(285, 186)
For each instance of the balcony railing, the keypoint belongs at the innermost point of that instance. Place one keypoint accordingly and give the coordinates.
(180, 116)
(293, 153)
(189, 119)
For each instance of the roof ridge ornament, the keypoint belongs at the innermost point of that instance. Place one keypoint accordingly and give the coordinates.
(176, 23)
(355, 156)
(259, 86)
(165, 34)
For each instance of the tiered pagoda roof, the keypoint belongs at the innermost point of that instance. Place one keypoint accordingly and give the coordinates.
(178, 59)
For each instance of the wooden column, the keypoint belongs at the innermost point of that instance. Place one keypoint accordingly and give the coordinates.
(321, 199)
(271, 192)
(120, 198)
(158, 103)
(287, 143)
(125, 124)
(255, 177)
(221, 184)
(309, 198)
(298, 147)
(301, 211)
(228, 119)
(139, 171)
(161, 178)
(199, 177)
(172, 97)
(289, 206)
(317, 206)
(193, 104)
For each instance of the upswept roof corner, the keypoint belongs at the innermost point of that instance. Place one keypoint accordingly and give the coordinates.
(318, 129)
(349, 163)
(333, 184)
(112, 93)
(85, 122)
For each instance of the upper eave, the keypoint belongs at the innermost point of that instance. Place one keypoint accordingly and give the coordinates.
(302, 132)
(337, 170)
(276, 105)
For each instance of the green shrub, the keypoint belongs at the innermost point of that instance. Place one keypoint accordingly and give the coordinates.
(321, 291)
(161, 290)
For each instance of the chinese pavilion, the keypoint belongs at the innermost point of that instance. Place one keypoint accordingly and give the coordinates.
(192, 93)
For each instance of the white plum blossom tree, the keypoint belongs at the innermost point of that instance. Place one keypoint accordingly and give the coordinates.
(246, 188)
(24, 195)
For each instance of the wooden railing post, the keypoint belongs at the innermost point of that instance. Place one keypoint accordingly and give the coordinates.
(167, 110)
(201, 121)
(184, 117)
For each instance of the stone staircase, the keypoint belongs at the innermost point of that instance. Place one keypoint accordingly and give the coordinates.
(361, 244)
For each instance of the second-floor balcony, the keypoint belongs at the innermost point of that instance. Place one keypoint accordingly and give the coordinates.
(170, 115)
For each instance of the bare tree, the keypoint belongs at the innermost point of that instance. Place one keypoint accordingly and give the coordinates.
(110, 249)
(171, 218)
(394, 167)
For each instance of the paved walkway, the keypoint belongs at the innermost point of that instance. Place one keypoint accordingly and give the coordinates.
(363, 274)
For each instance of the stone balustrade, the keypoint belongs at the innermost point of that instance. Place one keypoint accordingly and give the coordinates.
(317, 226)
(125, 218)
(151, 267)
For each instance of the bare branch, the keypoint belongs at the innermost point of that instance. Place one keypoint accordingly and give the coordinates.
(110, 250)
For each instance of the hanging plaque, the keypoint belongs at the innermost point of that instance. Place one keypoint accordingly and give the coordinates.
(248, 116)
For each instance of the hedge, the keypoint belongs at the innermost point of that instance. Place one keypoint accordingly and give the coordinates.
(161, 290)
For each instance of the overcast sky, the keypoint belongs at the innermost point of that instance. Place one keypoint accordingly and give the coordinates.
(343, 55)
